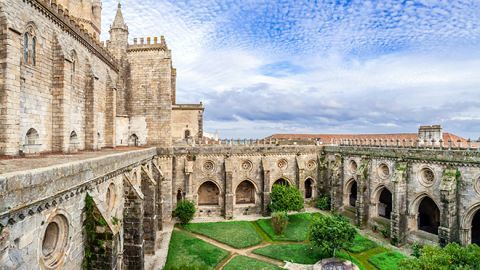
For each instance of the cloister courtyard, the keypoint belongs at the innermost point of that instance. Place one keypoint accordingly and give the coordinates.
(252, 244)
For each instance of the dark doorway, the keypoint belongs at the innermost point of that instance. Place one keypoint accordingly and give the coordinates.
(428, 216)
(308, 188)
(385, 204)
(476, 228)
(179, 195)
(353, 194)
(281, 181)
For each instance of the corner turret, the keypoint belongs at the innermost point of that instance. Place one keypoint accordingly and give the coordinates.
(118, 35)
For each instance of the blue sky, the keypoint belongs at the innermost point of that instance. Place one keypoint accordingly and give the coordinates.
(264, 67)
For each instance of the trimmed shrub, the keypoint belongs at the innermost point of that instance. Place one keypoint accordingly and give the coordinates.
(279, 221)
(331, 233)
(285, 198)
(324, 203)
(184, 211)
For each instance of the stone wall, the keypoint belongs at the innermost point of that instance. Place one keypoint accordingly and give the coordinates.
(187, 119)
(44, 88)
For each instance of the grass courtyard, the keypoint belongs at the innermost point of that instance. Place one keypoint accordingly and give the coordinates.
(254, 245)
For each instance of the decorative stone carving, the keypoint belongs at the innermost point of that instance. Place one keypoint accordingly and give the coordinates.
(311, 164)
(247, 165)
(383, 171)
(282, 164)
(426, 177)
(352, 166)
(477, 185)
(208, 166)
(54, 241)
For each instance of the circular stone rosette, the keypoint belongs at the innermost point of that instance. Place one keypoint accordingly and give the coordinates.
(208, 166)
(282, 164)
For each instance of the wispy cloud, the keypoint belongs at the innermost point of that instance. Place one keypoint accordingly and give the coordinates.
(309, 66)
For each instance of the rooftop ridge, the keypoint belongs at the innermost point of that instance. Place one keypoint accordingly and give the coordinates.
(61, 17)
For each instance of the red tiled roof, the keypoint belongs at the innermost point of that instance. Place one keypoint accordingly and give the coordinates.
(329, 138)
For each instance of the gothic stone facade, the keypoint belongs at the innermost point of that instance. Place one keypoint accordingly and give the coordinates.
(61, 90)
(426, 195)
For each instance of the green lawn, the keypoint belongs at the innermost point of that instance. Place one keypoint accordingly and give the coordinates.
(246, 263)
(386, 260)
(297, 253)
(361, 244)
(186, 250)
(296, 230)
(238, 234)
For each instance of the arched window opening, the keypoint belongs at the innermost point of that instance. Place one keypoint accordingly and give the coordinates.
(133, 140)
(73, 137)
(187, 134)
(179, 195)
(34, 45)
(245, 193)
(32, 137)
(428, 216)
(25, 47)
(208, 194)
(385, 204)
(308, 188)
(281, 181)
(353, 194)
(476, 228)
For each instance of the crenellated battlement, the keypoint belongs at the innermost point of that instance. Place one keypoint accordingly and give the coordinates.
(148, 43)
(61, 16)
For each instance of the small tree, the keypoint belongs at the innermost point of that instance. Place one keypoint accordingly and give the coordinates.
(279, 221)
(285, 198)
(324, 203)
(331, 233)
(184, 211)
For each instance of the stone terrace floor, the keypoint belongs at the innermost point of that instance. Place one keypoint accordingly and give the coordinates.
(11, 164)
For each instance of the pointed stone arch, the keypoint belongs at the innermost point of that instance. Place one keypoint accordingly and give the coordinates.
(426, 213)
(208, 193)
(309, 185)
(383, 200)
(471, 225)
(245, 192)
(351, 192)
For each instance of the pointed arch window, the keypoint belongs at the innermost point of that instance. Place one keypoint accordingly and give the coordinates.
(34, 50)
(25, 47)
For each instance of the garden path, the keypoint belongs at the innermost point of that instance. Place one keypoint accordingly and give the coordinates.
(158, 260)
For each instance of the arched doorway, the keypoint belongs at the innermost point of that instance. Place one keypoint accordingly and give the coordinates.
(428, 216)
(208, 194)
(133, 140)
(385, 204)
(281, 181)
(476, 228)
(179, 195)
(352, 198)
(308, 188)
(245, 193)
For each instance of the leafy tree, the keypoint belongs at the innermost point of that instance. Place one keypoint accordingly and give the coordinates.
(285, 198)
(279, 221)
(184, 211)
(324, 203)
(331, 233)
(451, 257)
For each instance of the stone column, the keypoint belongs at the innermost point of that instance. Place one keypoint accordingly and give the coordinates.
(361, 216)
(10, 53)
(133, 244)
(229, 197)
(449, 227)
(398, 222)
(337, 184)
(150, 222)
(61, 88)
(110, 115)
(266, 186)
(91, 138)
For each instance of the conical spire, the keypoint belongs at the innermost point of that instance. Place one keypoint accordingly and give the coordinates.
(119, 22)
